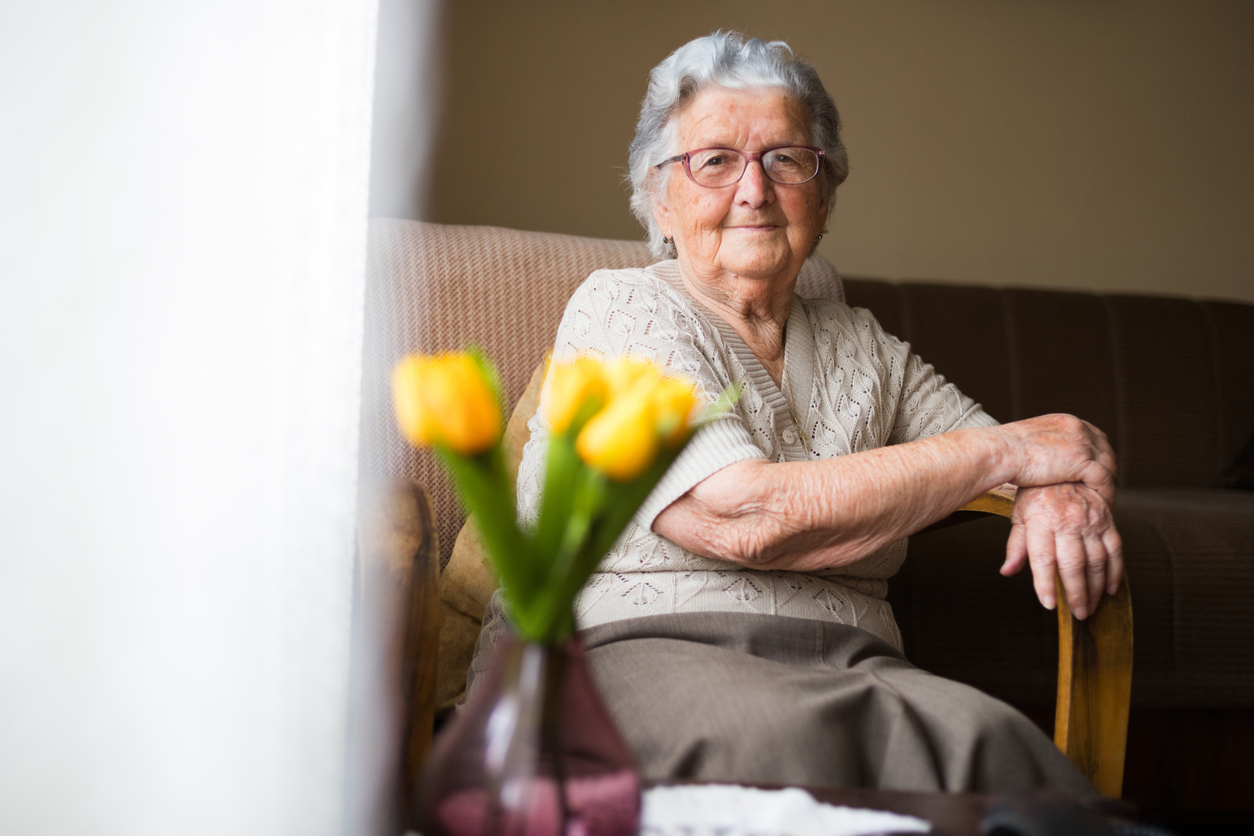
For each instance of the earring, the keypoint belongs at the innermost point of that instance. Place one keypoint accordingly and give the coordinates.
(666, 240)
(819, 237)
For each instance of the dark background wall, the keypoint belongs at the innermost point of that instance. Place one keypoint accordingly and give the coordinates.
(1058, 143)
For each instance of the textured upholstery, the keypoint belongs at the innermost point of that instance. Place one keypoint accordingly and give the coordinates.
(433, 287)
(1191, 558)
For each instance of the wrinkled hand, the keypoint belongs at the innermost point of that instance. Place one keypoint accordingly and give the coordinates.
(1056, 449)
(1067, 528)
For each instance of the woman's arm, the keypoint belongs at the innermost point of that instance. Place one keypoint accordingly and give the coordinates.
(812, 515)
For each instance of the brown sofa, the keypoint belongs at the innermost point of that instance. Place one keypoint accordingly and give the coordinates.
(1170, 380)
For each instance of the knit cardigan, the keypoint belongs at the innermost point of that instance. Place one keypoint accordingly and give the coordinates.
(847, 387)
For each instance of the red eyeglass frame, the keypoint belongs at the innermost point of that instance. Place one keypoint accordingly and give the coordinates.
(749, 158)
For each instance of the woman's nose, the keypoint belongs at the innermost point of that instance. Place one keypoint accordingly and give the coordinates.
(755, 188)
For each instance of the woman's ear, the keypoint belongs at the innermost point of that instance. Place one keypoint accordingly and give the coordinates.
(825, 208)
(661, 212)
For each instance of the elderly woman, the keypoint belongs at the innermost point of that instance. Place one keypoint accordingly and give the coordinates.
(739, 629)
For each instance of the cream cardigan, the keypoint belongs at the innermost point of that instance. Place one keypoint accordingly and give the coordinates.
(848, 387)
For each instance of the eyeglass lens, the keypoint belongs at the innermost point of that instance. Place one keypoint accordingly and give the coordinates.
(716, 167)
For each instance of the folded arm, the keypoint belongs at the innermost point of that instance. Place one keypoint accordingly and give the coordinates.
(804, 516)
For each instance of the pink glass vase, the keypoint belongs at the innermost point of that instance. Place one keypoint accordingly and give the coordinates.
(533, 753)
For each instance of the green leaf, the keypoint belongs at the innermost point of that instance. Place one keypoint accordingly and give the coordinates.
(551, 609)
(561, 478)
(622, 500)
(590, 407)
(721, 405)
(487, 492)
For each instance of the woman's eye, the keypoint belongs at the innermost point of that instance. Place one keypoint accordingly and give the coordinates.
(716, 160)
(786, 161)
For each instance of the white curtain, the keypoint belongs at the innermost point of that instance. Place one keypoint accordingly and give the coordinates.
(407, 87)
(184, 193)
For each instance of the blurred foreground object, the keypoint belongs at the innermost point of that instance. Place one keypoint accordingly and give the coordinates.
(616, 429)
(535, 750)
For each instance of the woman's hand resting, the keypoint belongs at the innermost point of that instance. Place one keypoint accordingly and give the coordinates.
(1065, 528)
(1065, 469)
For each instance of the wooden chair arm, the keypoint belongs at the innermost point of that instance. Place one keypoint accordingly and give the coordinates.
(399, 562)
(1094, 675)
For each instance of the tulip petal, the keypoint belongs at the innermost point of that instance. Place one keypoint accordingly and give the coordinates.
(621, 440)
(577, 390)
(446, 400)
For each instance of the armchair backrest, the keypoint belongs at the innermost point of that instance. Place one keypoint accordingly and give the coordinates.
(435, 287)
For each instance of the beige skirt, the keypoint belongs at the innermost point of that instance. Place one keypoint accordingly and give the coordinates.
(764, 699)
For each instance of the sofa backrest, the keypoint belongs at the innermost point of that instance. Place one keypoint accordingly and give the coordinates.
(1170, 380)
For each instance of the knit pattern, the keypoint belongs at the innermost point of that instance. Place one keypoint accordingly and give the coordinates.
(848, 387)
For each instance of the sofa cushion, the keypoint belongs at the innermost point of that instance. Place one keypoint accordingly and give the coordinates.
(1231, 328)
(1191, 559)
(1162, 347)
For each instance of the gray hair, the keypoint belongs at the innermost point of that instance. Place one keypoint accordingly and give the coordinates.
(725, 59)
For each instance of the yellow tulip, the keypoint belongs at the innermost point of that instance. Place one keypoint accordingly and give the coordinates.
(413, 413)
(571, 386)
(674, 401)
(446, 400)
(621, 440)
(625, 373)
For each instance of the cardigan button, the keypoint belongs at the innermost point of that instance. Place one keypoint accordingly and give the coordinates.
(790, 437)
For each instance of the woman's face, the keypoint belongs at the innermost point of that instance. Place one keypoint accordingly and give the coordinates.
(757, 228)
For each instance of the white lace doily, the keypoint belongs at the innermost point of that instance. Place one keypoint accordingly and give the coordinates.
(728, 810)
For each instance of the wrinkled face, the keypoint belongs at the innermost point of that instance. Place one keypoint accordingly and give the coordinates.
(756, 228)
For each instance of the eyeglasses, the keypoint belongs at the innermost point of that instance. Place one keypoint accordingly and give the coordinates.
(717, 168)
